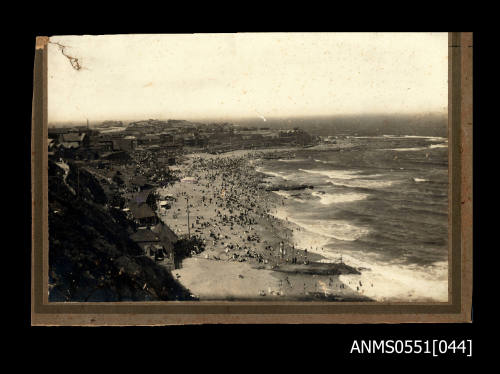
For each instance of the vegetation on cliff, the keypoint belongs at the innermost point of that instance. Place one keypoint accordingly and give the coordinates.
(91, 257)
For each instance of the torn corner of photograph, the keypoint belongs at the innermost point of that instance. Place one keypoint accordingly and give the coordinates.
(41, 42)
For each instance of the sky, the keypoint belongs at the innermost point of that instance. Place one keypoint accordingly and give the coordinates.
(246, 75)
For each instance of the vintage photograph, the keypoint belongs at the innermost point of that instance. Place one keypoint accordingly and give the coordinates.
(266, 167)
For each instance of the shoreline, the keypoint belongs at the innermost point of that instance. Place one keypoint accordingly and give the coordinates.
(243, 258)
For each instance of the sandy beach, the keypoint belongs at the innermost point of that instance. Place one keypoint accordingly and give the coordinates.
(249, 252)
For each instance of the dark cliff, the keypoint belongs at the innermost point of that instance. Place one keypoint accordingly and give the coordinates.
(91, 257)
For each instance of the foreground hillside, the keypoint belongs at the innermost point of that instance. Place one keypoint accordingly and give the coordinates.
(91, 257)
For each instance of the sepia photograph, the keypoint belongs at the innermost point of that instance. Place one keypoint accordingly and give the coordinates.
(260, 168)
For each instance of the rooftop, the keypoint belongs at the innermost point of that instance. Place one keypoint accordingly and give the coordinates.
(144, 235)
(141, 211)
(70, 144)
(165, 233)
(140, 197)
(73, 137)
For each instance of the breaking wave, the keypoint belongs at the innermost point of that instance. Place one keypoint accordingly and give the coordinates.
(327, 199)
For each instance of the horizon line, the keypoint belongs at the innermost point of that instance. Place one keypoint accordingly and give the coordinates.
(263, 119)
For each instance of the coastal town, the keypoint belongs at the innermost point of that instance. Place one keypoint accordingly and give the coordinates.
(191, 198)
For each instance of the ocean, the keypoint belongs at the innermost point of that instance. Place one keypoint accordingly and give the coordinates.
(381, 206)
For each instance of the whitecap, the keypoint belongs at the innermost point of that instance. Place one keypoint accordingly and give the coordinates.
(334, 174)
(408, 149)
(324, 162)
(292, 160)
(364, 183)
(271, 173)
(327, 199)
(317, 233)
(386, 282)
(335, 229)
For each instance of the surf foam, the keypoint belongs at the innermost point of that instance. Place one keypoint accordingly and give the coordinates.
(334, 174)
(394, 282)
(379, 280)
(331, 229)
(327, 199)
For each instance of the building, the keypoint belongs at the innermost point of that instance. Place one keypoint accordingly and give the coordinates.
(103, 143)
(189, 140)
(149, 139)
(69, 145)
(157, 242)
(68, 138)
(297, 136)
(127, 143)
(167, 236)
(81, 140)
(140, 197)
(145, 238)
(151, 245)
(56, 132)
(106, 124)
(167, 138)
(142, 214)
(139, 183)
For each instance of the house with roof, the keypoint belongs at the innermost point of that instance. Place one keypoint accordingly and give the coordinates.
(127, 143)
(145, 238)
(102, 143)
(157, 242)
(140, 197)
(142, 214)
(167, 137)
(81, 140)
(166, 235)
(140, 183)
(69, 145)
(189, 140)
(149, 139)
(56, 132)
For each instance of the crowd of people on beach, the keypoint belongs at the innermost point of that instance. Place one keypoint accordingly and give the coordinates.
(233, 214)
(231, 211)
